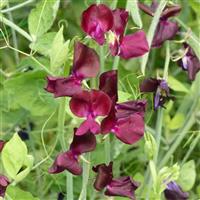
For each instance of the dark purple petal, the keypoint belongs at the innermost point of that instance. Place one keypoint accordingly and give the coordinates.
(104, 176)
(149, 85)
(166, 30)
(4, 182)
(90, 104)
(171, 11)
(130, 129)
(66, 161)
(133, 45)
(89, 125)
(108, 84)
(174, 192)
(63, 86)
(82, 144)
(96, 21)
(123, 186)
(120, 17)
(86, 61)
(2, 143)
(147, 9)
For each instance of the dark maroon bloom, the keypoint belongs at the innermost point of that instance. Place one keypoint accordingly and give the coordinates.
(4, 182)
(2, 143)
(126, 121)
(85, 65)
(96, 21)
(69, 159)
(123, 186)
(190, 62)
(90, 104)
(160, 89)
(166, 29)
(174, 192)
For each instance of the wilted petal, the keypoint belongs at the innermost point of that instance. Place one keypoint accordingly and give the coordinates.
(89, 125)
(120, 17)
(63, 86)
(174, 192)
(96, 21)
(2, 143)
(86, 61)
(123, 186)
(133, 45)
(149, 85)
(130, 129)
(166, 30)
(66, 161)
(108, 84)
(83, 143)
(4, 182)
(104, 176)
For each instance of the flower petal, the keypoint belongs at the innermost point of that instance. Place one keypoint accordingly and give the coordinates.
(123, 186)
(120, 17)
(130, 129)
(108, 84)
(166, 30)
(174, 192)
(149, 85)
(2, 143)
(104, 176)
(83, 143)
(89, 125)
(66, 161)
(96, 21)
(133, 45)
(4, 182)
(63, 86)
(171, 11)
(86, 61)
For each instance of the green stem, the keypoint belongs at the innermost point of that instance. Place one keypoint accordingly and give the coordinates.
(15, 27)
(151, 32)
(167, 60)
(69, 186)
(102, 59)
(86, 170)
(116, 62)
(107, 147)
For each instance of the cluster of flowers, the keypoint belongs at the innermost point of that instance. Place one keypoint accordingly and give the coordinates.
(125, 120)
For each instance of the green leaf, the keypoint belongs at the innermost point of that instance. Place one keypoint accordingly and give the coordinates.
(187, 175)
(28, 164)
(195, 5)
(176, 85)
(132, 7)
(44, 43)
(42, 17)
(59, 50)
(3, 3)
(13, 155)
(15, 193)
(123, 96)
(177, 121)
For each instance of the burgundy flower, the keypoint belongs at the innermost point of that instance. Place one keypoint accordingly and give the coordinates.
(123, 186)
(166, 29)
(2, 143)
(85, 65)
(69, 159)
(4, 182)
(190, 62)
(174, 192)
(97, 20)
(90, 104)
(159, 88)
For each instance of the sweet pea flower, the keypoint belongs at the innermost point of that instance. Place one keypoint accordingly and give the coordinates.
(85, 65)
(166, 29)
(174, 192)
(125, 120)
(2, 143)
(90, 104)
(190, 62)
(98, 20)
(4, 182)
(69, 159)
(122, 186)
(160, 89)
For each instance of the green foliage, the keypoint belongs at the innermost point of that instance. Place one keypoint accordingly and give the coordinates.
(42, 17)
(176, 85)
